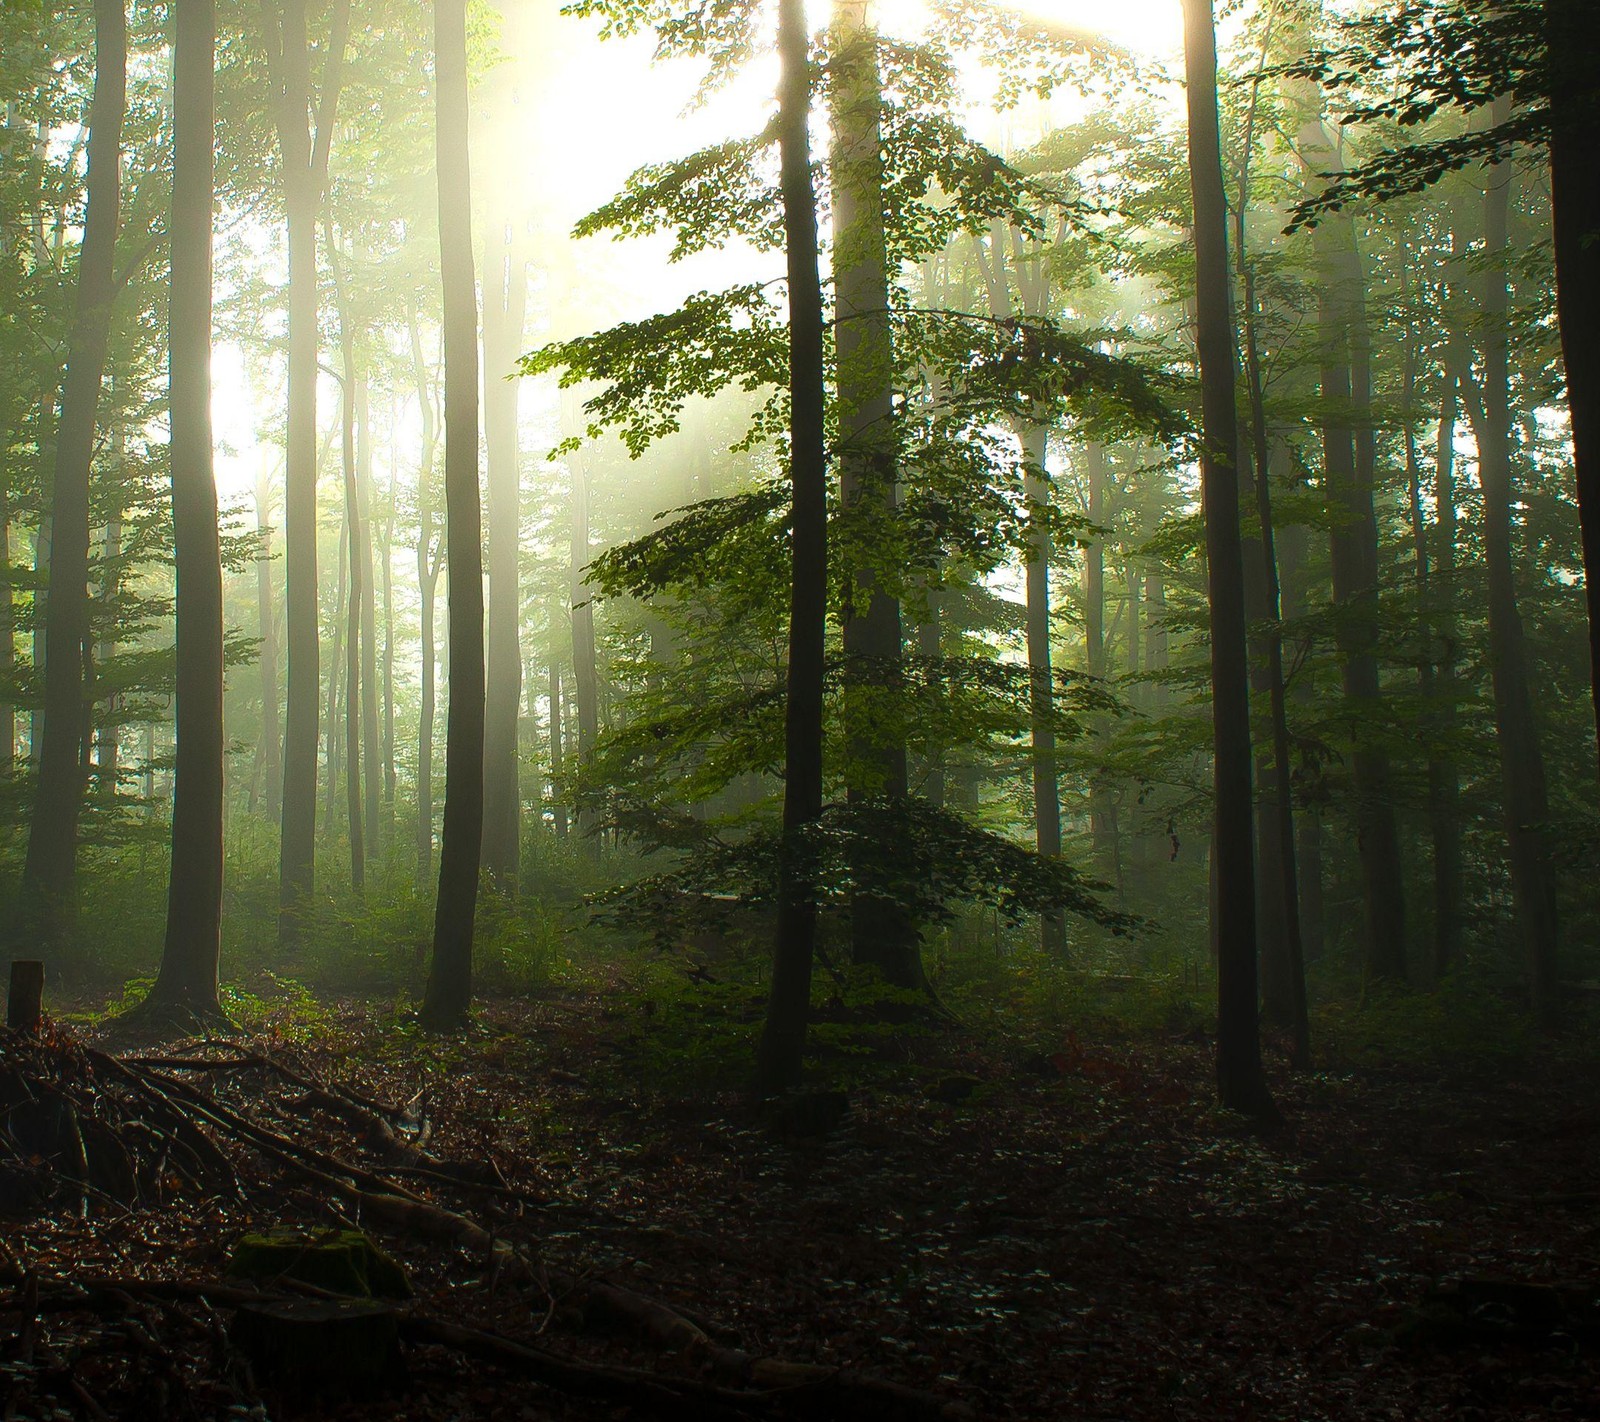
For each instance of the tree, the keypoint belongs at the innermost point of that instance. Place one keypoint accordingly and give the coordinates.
(187, 981)
(49, 874)
(304, 149)
(1241, 1083)
(505, 303)
(782, 1046)
(881, 934)
(449, 992)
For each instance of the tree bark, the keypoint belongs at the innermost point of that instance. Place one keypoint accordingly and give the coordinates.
(1283, 974)
(427, 584)
(882, 935)
(782, 1047)
(1349, 458)
(192, 951)
(505, 279)
(558, 811)
(357, 568)
(1444, 786)
(1572, 30)
(49, 873)
(372, 766)
(449, 992)
(585, 670)
(1525, 801)
(267, 623)
(304, 152)
(1241, 1083)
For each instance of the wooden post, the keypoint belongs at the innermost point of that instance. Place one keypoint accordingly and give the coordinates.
(24, 1007)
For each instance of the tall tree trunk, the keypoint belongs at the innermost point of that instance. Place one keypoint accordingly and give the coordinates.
(109, 731)
(372, 767)
(427, 584)
(585, 671)
(1444, 786)
(8, 635)
(267, 626)
(355, 541)
(1525, 802)
(930, 647)
(192, 952)
(49, 873)
(386, 562)
(1041, 679)
(449, 992)
(782, 1046)
(1241, 1083)
(1282, 950)
(1034, 290)
(1293, 543)
(505, 278)
(882, 934)
(304, 152)
(1102, 807)
(337, 670)
(1350, 465)
(1572, 31)
(558, 813)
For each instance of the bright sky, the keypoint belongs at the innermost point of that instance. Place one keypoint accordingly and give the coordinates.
(601, 141)
(1150, 26)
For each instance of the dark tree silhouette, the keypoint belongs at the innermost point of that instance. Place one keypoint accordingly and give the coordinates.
(187, 981)
(1241, 1083)
(789, 1002)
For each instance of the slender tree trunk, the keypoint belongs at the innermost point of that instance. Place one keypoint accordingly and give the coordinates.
(337, 670)
(1241, 1083)
(1293, 543)
(882, 935)
(585, 671)
(8, 635)
(108, 733)
(427, 584)
(372, 767)
(355, 541)
(1573, 36)
(782, 1046)
(1283, 974)
(505, 278)
(930, 646)
(267, 625)
(1350, 465)
(386, 561)
(1526, 805)
(558, 813)
(1444, 786)
(1034, 289)
(192, 952)
(49, 874)
(449, 992)
(1102, 806)
(304, 153)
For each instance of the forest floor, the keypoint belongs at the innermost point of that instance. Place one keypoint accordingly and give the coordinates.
(1067, 1234)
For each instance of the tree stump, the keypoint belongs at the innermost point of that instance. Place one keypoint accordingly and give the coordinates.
(347, 1345)
(25, 1004)
(340, 1261)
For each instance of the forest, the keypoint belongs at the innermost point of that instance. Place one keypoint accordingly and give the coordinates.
(873, 709)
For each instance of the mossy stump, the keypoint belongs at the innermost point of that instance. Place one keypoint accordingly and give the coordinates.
(339, 1261)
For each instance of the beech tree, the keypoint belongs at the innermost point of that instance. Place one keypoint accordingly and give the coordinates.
(49, 874)
(449, 994)
(187, 981)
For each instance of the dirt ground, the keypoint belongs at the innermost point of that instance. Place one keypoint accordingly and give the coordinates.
(1070, 1234)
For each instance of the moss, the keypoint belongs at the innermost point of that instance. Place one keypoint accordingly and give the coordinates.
(340, 1261)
